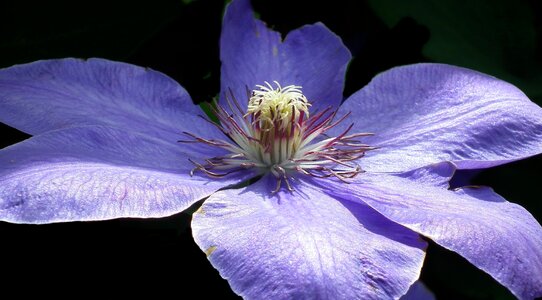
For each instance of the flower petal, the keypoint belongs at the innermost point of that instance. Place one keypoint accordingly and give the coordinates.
(96, 173)
(427, 113)
(312, 57)
(54, 94)
(305, 244)
(497, 236)
(418, 291)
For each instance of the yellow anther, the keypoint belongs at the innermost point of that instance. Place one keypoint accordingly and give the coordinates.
(278, 106)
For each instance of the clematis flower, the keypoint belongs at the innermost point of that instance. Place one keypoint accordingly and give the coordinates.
(305, 198)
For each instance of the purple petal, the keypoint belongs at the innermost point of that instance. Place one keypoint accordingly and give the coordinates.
(312, 57)
(54, 94)
(305, 244)
(437, 175)
(418, 291)
(497, 236)
(428, 113)
(96, 173)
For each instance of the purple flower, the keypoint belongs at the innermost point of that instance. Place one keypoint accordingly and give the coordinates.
(343, 193)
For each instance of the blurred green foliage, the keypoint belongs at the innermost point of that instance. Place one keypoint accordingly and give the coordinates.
(498, 37)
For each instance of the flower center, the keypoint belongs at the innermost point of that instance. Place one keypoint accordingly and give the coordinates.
(276, 118)
(276, 135)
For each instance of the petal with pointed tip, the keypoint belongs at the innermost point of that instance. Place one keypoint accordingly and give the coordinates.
(305, 244)
(497, 236)
(59, 93)
(428, 113)
(96, 173)
(251, 53)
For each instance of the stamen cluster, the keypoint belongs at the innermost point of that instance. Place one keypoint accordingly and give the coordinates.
(276, 135)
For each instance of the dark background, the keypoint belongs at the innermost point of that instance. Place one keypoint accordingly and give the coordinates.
(180, 38)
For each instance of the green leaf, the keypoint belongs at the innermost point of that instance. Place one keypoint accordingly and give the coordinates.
(208, 110)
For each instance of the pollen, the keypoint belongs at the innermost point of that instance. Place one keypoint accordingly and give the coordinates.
(277, 106)
(276, 134)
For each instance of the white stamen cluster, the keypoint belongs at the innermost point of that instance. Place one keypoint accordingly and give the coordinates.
(276, 135)
(277, 106)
